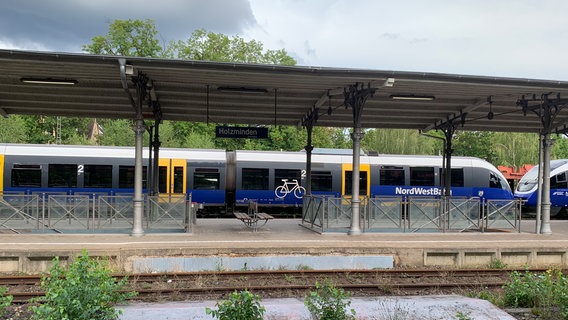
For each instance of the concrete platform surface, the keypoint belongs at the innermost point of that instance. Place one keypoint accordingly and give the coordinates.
(218, 238)
(421, 307)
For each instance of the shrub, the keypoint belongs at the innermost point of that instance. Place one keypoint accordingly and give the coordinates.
(542, 292)
(329, 303)
(5, 301)
(85, 290)
(240, 306)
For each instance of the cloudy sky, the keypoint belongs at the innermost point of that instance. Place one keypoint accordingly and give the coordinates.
(504, 38)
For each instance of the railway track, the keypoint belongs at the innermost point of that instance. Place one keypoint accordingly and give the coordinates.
(272, 283)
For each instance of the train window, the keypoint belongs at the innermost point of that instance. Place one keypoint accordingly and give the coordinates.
(391, 176)
(495, 181)
(255, 179)
(322, 181)
(558, 181)
(457, 177)
(126, 177)
(206, 179)
(421, 176)
(26, 175)
(98, 176)
(362, 183)
(62, 176)
(290, 174)
(178, 179)
(162, 179)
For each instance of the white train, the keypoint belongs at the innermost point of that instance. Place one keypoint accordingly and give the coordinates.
(217, 179)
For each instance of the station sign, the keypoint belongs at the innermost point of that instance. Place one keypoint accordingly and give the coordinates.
(241, 132)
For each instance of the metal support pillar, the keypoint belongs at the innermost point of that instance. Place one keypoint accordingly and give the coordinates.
(309, 148)
(545, 211)
(449, 131)
(155, 171)
(539, 184)
(308, 121)
(355, 97)
(138, 200)
(546, 107)
(150, 187)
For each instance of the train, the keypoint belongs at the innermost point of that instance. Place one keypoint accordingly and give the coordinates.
(219, 179)
(527, 187)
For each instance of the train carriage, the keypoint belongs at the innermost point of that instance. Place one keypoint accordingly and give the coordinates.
(217, 179)
(527, 188)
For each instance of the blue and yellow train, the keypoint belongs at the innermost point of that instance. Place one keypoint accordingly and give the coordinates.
(217, 179)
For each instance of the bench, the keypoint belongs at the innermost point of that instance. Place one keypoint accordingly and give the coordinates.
(252, 217)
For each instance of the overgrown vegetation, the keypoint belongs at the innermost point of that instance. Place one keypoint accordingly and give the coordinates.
(240, 306)
(497, 264)
(85, 290)
(329, 303)
(5, 301)
(546, 293)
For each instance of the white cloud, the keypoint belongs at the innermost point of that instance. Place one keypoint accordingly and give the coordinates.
(504, 38)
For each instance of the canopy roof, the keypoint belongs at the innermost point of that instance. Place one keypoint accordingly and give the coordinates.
(230, 93)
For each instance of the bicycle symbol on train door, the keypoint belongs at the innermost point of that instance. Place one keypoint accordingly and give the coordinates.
(290, 187)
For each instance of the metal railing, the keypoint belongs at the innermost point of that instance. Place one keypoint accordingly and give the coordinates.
(56, 212)
(412, 214)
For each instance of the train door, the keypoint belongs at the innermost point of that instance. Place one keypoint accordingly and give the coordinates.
(172, 176)
(347, 180)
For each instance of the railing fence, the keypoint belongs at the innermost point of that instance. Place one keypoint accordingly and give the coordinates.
(412, 214)
(56, 212)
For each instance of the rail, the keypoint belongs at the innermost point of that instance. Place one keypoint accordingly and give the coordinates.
(386, 282)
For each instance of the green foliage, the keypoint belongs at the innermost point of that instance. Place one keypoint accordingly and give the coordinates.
(13, 129)
(240, 306)
(329, 303)
(5, 300)
(400, 141)
(475, 144)
(463, 316)
(497, 264)
(542, 292)
(210, 46)
(116, 133)
(85, 290)
(130, 37)
(516, 149)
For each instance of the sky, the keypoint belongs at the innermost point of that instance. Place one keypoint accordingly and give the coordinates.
(496, 38)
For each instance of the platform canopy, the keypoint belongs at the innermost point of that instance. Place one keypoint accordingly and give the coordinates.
(83, 85)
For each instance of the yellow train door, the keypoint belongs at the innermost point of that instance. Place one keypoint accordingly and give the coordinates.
(347, 180)
(172, 176)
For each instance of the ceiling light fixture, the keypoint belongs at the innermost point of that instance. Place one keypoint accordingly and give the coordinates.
(411, 97)
(49, 81)
(243, 90)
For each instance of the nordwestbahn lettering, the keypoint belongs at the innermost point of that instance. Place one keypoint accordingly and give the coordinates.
(418, 191)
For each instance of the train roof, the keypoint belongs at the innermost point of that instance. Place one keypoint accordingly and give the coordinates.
(106, 151)
(242, 155)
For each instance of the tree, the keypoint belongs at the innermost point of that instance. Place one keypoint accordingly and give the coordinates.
(475, 144)
(136, 38)
(13, 129)
(211, 46)
(400, 141)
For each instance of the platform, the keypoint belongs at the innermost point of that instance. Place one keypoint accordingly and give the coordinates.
(217, 238)
(420, 307)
